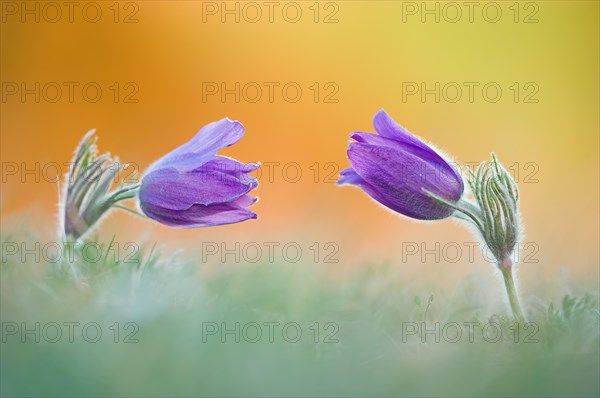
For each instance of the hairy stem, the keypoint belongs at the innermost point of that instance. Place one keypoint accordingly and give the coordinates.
(506, 268)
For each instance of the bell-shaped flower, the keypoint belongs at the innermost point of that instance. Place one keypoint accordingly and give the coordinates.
(193, 187)
(401, 172)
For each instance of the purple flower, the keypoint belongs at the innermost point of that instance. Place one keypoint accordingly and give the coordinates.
(193, 187)
(398, 170)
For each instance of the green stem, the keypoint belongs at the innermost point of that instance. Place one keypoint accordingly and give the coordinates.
(513, 297)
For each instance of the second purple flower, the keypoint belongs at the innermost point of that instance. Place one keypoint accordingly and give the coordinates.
(400, 171)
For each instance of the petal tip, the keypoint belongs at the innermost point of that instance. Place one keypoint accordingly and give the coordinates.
(381, 114)
(234, 123)
(356, 136)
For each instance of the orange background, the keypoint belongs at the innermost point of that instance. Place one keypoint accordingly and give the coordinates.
(368, 53)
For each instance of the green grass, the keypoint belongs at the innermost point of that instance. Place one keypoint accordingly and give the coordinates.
(170, 299)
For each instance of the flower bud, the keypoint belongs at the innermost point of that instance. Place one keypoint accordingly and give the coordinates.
(87, 196)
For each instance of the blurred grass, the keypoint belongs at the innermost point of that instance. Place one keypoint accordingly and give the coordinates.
(169, 298)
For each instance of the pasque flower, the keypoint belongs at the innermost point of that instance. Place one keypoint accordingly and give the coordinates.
(192, 186)
(403, 173)
(400, 171)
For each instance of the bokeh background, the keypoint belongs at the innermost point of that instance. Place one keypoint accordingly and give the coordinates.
(160, 56)
(367, 53)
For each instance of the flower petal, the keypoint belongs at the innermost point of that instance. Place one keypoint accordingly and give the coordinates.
(245, 200)
(443, 170)
(202, 215)
(351, 177)
(396, 178)
(231, 167)
(388, 128)
(176, 190)
(203, 147)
